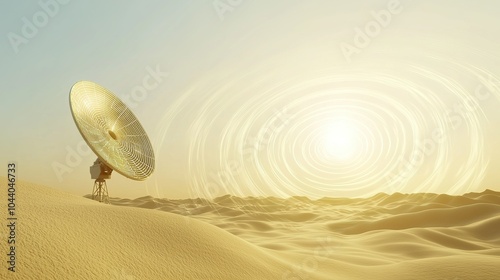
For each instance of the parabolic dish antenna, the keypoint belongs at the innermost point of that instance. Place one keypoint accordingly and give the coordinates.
(113, 133)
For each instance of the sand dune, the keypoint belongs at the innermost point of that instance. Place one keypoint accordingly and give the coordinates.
(417, 236)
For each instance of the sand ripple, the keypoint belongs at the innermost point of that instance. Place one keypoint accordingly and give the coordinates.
(399, 236)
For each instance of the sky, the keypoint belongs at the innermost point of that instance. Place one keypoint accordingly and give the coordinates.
(261, 98)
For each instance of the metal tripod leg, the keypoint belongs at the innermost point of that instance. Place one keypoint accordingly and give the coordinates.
(100, 191)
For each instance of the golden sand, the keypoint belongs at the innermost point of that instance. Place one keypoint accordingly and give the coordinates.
(416, 236)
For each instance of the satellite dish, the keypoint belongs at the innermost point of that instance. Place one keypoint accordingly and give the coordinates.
(113, 133)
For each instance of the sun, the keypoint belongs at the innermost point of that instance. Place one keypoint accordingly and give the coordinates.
(340, 140)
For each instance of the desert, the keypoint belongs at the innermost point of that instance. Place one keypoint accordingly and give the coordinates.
(399, 236)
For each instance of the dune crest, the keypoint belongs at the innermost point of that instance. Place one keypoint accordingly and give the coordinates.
(62, 236)
(417, 236)
(384, 231)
